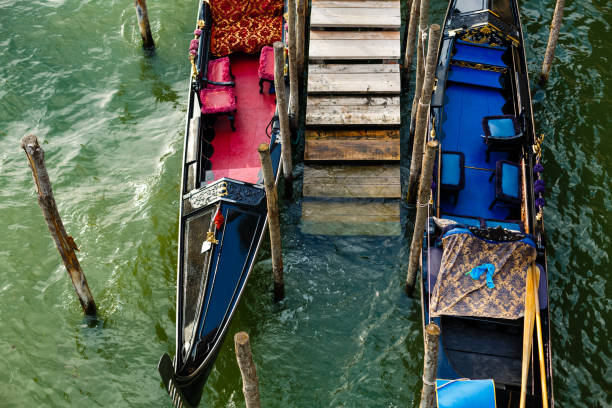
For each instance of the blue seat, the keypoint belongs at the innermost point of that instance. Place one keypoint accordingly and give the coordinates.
(452, 178)
(465, 393)
(501, 132)
(478, 54)
(507, 183)
(489, 79)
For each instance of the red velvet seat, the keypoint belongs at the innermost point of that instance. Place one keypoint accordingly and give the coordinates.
(219, 73)
(219, 101)
(266, 68)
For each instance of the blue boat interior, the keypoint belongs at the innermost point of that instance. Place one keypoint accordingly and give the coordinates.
(472, 93)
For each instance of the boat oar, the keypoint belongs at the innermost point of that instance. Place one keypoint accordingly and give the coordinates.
(527, 332)
(536, 277)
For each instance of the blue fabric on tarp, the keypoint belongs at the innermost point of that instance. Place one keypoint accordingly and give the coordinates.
(501, 127)
(465, 393)
(480, 55)
(490, 79)
(510, 180)
(486, 268)
(513, 226)
(451, 169)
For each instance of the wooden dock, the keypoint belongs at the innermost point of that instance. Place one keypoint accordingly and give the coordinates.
(352, 139)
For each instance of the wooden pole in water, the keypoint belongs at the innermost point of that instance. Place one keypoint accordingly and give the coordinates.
(555, 28)
(250, 383)
(281, 108)
(423, 112)
(65, 243)
(420, 74)
(421, 217)
(300, 28)
(412, 35)
(143, 23)
(430, 366)
(273, 222)
(293, 71)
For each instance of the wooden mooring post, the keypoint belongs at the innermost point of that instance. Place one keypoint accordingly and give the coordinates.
(412, 35)
(555, 29)
(273, 221)
(430, 366)
(281, 108)
(421, 216)
(65, 243)
(420, 70)
(250, 383)
(423, 112)
(143, 24)
(301, 40)
(293, 70)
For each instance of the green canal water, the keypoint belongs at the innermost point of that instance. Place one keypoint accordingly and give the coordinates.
(110, 119)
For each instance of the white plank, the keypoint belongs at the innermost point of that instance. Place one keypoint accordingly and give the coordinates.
(356, 3)
(377, 83)
(326, 17)
(354, 50)
(351, 68)
(354, 35)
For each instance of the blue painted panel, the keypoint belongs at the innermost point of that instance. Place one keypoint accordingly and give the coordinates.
(480, 55)
(464, 108)
(465, 394)
(510, 180)
(473, 222)
(471, 76)
(501, 127)
(451, 169)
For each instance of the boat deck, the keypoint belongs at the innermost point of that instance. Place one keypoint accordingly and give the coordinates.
(352, 141)
(234, 154)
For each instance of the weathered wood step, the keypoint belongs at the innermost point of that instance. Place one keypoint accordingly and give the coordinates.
(351, 110)
(351, 218)
(372, 145)
(378, 14)
(354, 79)
(354, 45)
(359, 181)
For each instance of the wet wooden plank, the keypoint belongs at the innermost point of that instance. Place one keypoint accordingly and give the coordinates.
(351, 218)
(316, 101)
(357, 181)
(384, 146)
(352, 133)
(385, 18)
(354, 35)
(365, 45)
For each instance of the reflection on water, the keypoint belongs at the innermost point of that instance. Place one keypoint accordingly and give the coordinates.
(111, 120)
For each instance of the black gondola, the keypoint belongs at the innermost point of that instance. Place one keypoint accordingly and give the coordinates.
(222, 205)
(485, 233)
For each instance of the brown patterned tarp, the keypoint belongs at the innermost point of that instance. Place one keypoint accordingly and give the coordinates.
(458, 294)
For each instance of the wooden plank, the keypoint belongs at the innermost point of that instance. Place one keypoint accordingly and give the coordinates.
(358, 83)
(320, 101)
(352, 181)
(355, 134)
(352, 68)
(352, 149)
(354, 35)
(329, 50)
(351, 218)
(356, 3)
(343, 113)
(385, 18)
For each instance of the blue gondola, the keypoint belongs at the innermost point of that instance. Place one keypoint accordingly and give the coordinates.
(222, 211)
(485, 228)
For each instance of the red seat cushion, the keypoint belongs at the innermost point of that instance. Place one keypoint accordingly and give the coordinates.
(266, 63)
(218, 100)
(219, 71)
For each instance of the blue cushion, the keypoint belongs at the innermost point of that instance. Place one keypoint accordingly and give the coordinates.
(474, 222)
(481, 55)
(451, 169)
(465, 394)
(501, 127)
(490, 79)
(513, 226)
(510, 180)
